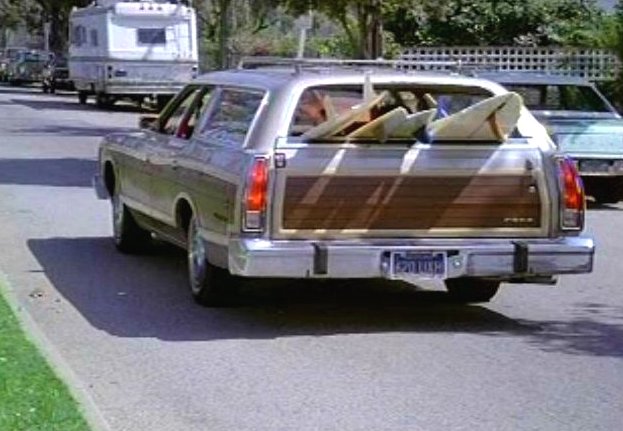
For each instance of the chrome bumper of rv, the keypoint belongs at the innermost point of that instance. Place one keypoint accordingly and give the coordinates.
(504, 259)
(143, 87)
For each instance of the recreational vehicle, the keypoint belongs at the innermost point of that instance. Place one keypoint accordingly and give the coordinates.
(132, 49)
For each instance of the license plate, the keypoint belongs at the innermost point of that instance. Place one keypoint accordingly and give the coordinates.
(416, 264)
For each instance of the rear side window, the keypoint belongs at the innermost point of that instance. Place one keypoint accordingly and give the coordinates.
(231, 116)
(340, 112)
(541, 97)
(151, 36)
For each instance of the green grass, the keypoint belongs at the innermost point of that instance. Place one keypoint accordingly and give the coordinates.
(32, 398)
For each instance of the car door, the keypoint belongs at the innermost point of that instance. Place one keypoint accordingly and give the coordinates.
(161, 160)
(176, 139)
(213, 167)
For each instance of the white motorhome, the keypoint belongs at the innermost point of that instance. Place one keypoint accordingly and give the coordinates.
(132, 49)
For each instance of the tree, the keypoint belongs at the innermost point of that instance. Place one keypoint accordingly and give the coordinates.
(361, 21)
(494, 22)
(34, 13)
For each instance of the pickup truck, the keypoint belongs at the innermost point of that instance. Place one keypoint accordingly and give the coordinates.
(348, 172)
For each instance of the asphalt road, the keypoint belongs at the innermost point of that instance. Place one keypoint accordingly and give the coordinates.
(293, 356)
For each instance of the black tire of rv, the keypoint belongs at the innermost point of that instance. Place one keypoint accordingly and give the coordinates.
(83, 96)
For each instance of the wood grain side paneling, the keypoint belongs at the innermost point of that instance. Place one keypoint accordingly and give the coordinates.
(382, 203)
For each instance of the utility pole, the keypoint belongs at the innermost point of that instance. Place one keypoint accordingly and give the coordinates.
(46, 36)
(303, 23)
(375, 41)
(224, 32)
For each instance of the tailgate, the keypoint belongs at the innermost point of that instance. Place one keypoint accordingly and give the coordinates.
(452, 191)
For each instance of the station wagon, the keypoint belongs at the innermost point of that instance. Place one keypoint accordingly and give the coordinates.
(348, 172)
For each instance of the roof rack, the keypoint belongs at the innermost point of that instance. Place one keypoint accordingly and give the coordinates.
(255, 62)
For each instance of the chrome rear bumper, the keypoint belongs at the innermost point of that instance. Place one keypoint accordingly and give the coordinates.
(517, 259)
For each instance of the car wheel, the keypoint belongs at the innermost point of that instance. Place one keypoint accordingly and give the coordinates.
(467, 290)
(82, 97)
(210, 286)
(104, 101)
(128, 236)
(607, 195)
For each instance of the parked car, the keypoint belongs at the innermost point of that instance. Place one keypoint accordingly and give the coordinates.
(27, 67)
(55, 76)
(582, 123)
(327, 172)
(6, 56)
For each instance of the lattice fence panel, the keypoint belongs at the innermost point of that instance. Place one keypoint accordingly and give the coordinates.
(592, 64)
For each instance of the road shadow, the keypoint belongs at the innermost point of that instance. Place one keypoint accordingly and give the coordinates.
(5, 88)
(48, 172)
(65, 104)
(67, 130)
(594, 329)
(594, 206)
(146, 296)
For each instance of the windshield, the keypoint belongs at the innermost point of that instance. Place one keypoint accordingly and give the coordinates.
(403, 112)
(543, 97)
(32, 57)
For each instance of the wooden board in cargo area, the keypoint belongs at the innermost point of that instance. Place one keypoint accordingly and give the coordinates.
(405, 203)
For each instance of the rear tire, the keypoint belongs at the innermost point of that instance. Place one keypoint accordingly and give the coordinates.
(210, 286)
(604, 190)
(83, 97)
(128, 236)
(104, 101)
(606, 195)
(468, 290)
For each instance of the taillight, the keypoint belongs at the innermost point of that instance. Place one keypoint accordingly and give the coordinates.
(573, 202)
(256, 196)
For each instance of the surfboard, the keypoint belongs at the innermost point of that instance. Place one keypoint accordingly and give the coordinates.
(412, 124)
(336, 125)
(380, 128)
(492, 119)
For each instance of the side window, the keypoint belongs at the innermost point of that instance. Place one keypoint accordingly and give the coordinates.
(231, 116)
(173, 119)
(552, 98)
(531, 94)
(191, 118)
(94, 38)
(79, 35)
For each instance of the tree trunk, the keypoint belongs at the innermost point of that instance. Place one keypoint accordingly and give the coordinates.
(224, 32)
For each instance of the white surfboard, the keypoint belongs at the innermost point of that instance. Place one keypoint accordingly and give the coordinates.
(492, 119)
(336, 125)
(412, 124)
(381, 127)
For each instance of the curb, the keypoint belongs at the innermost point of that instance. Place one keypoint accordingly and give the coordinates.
(87, 407)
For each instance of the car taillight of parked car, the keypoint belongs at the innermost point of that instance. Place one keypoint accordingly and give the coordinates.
(256, 196)
(573, 199)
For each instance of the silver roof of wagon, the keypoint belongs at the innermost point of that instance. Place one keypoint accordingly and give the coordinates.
(274, 76)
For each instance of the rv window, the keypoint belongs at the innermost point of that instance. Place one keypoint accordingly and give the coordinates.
(79, 35)
(231, 116)
(152, 36)
(94, 41)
